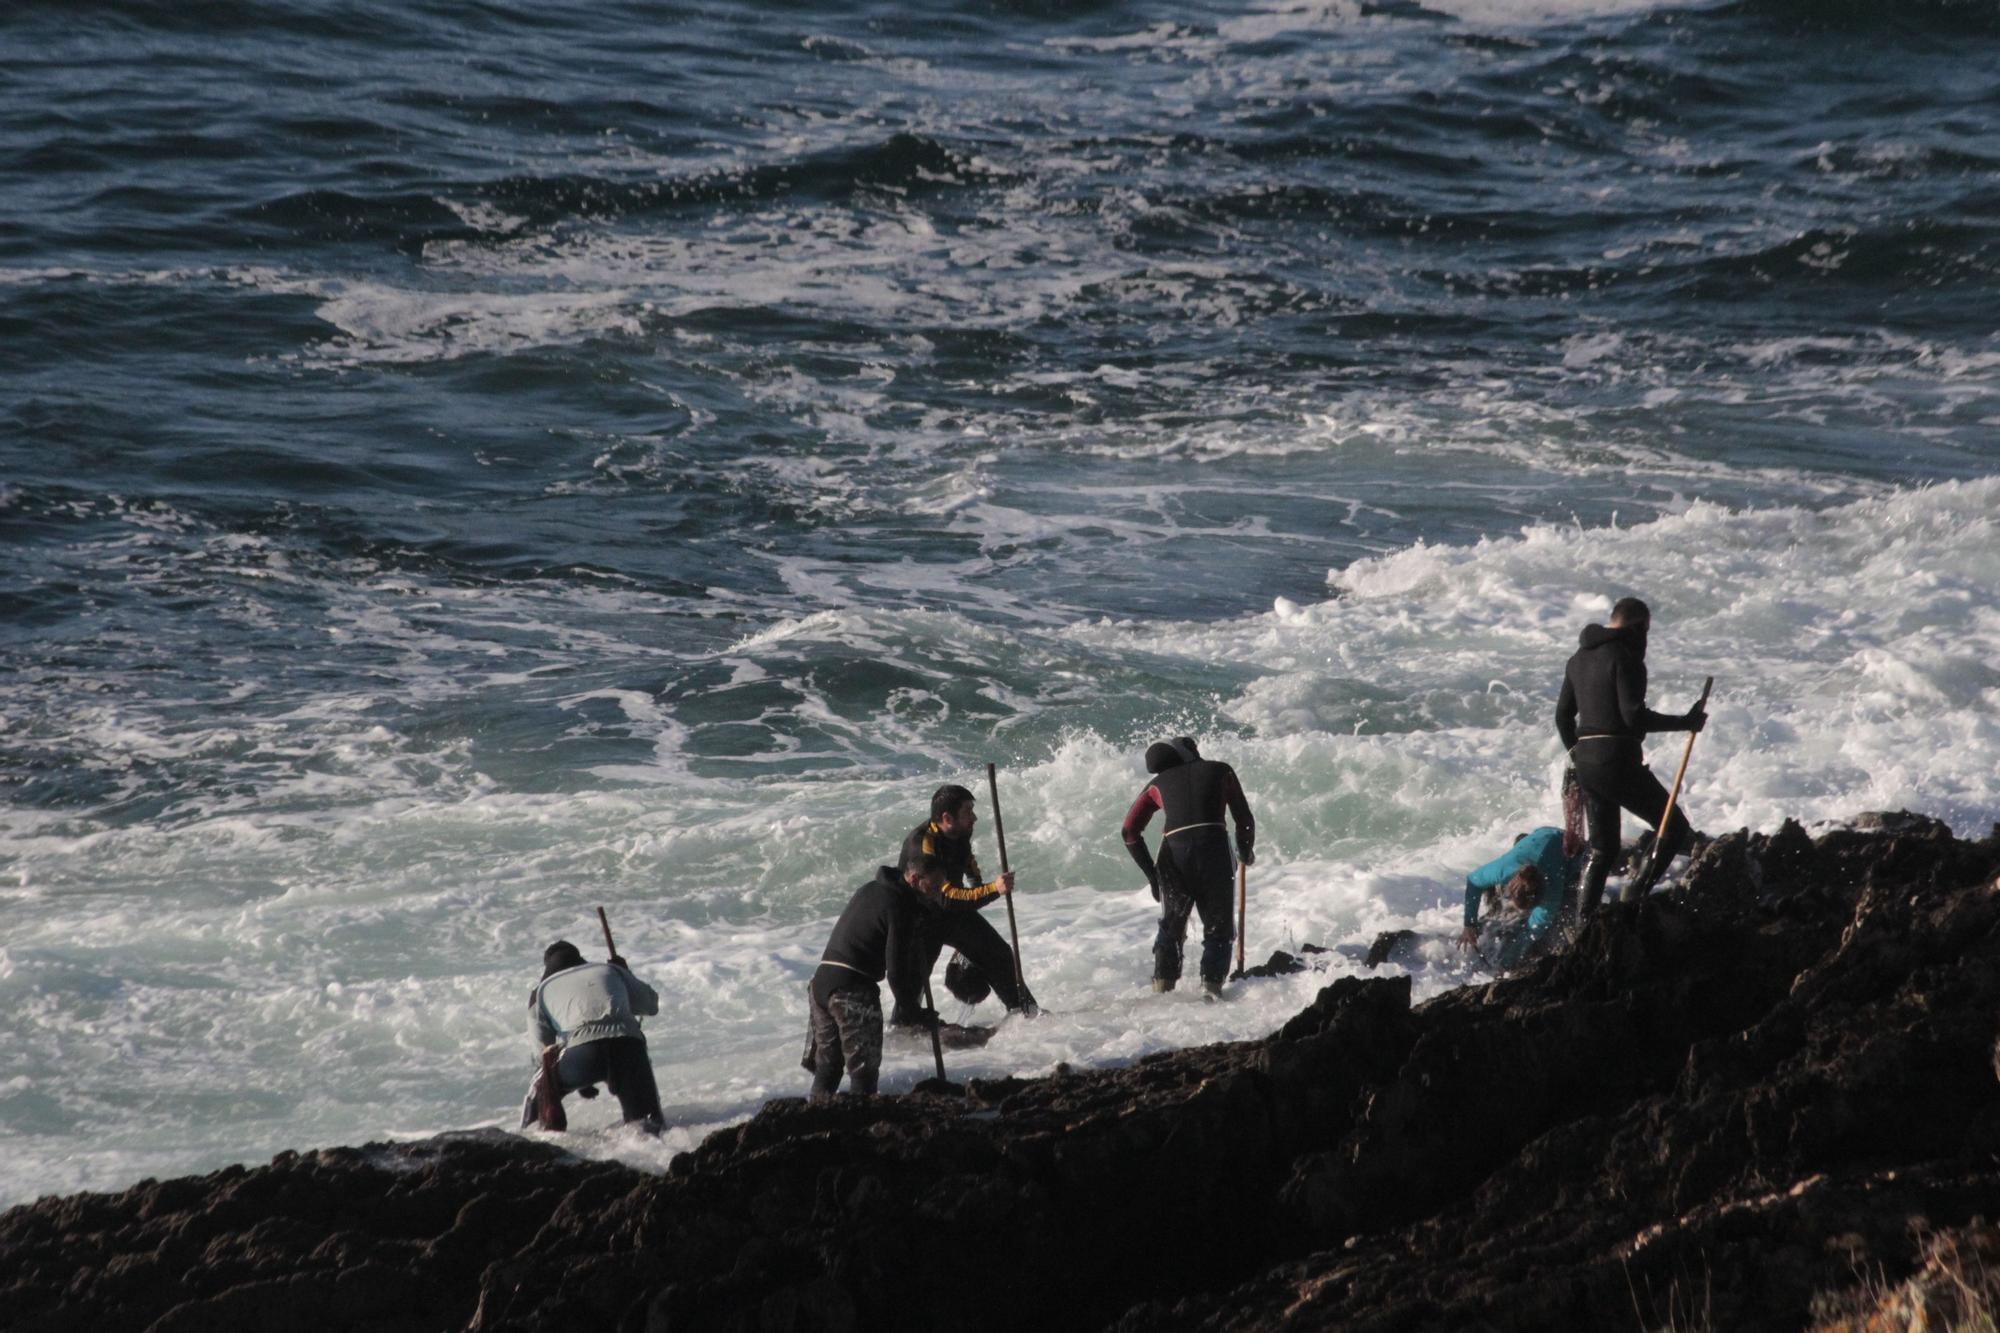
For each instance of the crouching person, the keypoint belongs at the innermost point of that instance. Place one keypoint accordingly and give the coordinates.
(1522, 891)
(584, 1019)
(883, 933)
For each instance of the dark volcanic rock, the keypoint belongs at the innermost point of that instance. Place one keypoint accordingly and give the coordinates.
(1714, 1106)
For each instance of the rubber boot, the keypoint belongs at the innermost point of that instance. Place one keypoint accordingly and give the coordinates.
(1590, 892)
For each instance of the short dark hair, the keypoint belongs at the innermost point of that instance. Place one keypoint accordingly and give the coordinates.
(560, 957)
(947, 799)
(920, 862)
(1630, 610)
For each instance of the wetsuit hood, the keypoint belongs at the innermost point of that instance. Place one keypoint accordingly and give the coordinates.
(1596, 636)
(1164, 755)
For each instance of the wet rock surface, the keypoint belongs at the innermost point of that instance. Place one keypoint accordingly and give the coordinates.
(1718, 1104)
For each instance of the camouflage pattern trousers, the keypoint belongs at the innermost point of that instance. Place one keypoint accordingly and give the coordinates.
(844, 1035)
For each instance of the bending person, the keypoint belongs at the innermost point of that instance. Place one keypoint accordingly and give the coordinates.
(1602, 718)
(584, 1020)
(880, 935)
(983, 962)
(1194, 871)
(1522, 891)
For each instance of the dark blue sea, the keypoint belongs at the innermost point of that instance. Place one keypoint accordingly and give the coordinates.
(465, 464)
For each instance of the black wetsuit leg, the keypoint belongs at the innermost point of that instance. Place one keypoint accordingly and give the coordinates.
(1600, 819)
(974, 936)
(930, 944)
(1615, 775)
(1209, 864)
(1198, 865)
(1175, 904)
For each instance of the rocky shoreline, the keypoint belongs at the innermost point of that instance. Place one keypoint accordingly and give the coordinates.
(1728, 1107)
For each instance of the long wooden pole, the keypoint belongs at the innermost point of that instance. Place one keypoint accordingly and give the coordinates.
(1659, 859)
(1660, 834)
(937, 1042)
(609, 947)
(1242, 914)
(1000, 836)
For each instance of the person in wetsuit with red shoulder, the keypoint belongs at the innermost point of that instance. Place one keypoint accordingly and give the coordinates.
(1194, 870)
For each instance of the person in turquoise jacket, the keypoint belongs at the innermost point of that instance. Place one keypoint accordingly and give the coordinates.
(1527, 882)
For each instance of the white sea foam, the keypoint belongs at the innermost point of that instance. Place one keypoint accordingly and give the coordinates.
(341, 955)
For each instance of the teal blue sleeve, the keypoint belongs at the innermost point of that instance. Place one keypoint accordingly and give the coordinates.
(1549, 856)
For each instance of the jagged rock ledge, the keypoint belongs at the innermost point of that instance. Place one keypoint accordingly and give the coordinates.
(1719, 1105)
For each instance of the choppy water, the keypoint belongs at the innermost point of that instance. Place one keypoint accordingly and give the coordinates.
(464, 464)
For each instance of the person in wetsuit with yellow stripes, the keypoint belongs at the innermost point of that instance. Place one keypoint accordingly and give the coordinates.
(984, 958)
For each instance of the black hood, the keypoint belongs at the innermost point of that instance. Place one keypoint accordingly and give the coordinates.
(1596, 636)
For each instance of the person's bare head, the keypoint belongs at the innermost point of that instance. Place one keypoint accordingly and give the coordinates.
(953, 812)
(925, 873)
(1630, 613)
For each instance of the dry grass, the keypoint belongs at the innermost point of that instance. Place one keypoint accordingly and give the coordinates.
(1957, 1290)
(1687, 1305)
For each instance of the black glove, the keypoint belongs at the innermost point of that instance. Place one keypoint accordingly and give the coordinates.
(1246, 856)
(1696, 718)
(616, 961)
(1154, 884)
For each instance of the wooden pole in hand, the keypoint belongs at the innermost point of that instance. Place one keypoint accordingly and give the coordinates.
(1660, 834)
(1242, 913)
(1666, 816)
(937, 1042)
(1000, 836)
(609, 947)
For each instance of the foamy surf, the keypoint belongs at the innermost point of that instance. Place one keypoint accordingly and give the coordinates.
(243, 979)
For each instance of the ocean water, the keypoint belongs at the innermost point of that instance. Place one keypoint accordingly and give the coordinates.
(462, 465)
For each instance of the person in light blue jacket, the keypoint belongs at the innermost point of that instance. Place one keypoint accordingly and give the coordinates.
(1525, 885)
(584, 1020)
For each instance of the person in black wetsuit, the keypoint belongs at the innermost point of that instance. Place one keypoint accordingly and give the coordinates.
(1194, 869)
(985, 960)
(1602, 718)
(880, 934)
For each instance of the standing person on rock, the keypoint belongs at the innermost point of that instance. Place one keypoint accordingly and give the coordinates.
(584, 1020)
(1194, 870)
(983, 959)
(881, 934)
(1602, 718)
